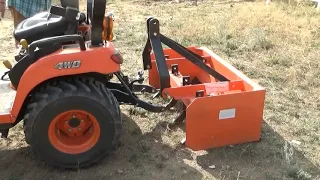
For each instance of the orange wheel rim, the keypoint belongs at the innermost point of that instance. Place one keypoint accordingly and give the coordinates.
(74, 131)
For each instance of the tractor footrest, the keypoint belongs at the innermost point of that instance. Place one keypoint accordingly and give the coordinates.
(218, 113)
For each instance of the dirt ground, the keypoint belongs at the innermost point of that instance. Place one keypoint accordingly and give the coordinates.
(278, 46)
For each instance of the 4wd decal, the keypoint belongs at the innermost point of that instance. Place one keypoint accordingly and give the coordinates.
(68, 65)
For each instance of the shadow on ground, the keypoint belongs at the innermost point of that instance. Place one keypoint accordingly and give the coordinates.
(145, 156)
(271, 158)
(141, 156)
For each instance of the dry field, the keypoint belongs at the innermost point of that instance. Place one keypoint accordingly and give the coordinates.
(277, 45)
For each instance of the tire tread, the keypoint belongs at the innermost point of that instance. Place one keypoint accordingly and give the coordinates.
(87, 87)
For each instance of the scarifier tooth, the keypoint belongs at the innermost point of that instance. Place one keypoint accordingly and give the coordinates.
(183, 141)
(156, 95)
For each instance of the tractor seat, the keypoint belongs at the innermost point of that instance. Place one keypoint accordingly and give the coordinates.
(37, 27)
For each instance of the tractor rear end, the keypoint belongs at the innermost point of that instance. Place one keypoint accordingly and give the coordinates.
(70, 106)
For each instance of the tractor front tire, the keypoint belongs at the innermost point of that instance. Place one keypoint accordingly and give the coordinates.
(73, 123)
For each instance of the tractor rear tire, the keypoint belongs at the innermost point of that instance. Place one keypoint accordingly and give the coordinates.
(73, 123)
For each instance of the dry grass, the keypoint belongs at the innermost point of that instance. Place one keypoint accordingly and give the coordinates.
(276, 45)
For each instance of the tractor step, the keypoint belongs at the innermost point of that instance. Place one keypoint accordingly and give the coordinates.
(218, 112)
(7, 95)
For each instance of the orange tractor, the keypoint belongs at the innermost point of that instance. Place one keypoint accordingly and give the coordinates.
(62, 88)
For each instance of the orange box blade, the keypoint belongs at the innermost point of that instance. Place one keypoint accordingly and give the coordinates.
(224, 120)
(229, 112)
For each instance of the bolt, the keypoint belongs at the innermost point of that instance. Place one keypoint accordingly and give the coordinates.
(82, 121)
(79, 129)
(70, 129)
(154, 34)
(66, 122)
(73, 116)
